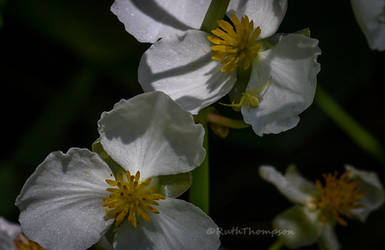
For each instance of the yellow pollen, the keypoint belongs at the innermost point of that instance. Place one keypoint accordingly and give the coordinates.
(235, 47)
(130, 197)
(251, 97)
(337, 197)
(23, 243)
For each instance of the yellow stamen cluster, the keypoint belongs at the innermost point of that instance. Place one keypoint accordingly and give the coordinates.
(337, 197)
(23, 243)
(132, 197)
(251, 97)
(235, 47)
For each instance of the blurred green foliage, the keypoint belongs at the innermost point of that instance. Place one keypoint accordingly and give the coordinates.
(2, 3)
(65, 62)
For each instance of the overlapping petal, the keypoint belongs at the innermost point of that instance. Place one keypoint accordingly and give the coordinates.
(179, 225)
(61, 202)
(9, 228)
(150, 20)
(370, 15)
(182, 67)
(293, 176)
(289, 189)
(150, 133)
(303, 223)
(328, 239)
(267, 14)
(8, 232)
(374, 195)
(292, 67)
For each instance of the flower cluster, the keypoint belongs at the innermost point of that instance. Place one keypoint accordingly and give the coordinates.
(73, 199)
(122, 194)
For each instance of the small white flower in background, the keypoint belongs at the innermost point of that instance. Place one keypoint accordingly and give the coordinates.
(370, 15)
(72, 199)
(320, 206)
(196, 68)
(11, 238)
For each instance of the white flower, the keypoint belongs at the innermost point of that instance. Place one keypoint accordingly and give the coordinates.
(370, 15)
(8, 233)
(148, 21)
(318, 207)
(283, 78)
(63, 204)
(11, 237)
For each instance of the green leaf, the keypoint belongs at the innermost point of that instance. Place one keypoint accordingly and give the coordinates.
(115, 167)
(305, 32)
(299, 227)
(173, 185)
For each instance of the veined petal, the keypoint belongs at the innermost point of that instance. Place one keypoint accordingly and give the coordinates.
(370, 15)
(328, 239)
(302, 225)
(374, 195)
(148, 21)
(150, 133)
(292, 67)
(267, 14)
(179, 225)
(182, 68)
(290, 190)
(61, 202)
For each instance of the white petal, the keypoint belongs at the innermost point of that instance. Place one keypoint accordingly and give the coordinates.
(182, 68)
(288, 189)
(8, 233)
(9, 228)
(302, 226)
(148, 21)
(150, 133)
(6, 242)
(180, 225)
(267, 14)
(374, 195)
(292, 67)
(297, 180)
(61, 202)
(370, 15)
(328, 239)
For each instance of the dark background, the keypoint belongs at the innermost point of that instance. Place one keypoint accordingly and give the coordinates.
(65, 62)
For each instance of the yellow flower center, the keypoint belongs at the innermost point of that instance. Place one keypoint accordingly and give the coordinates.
(337, 197)
(235, 47)
(23, 243)
(130, 197)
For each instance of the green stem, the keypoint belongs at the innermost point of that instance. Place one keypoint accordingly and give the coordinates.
(225, 121)
(351, 127)
(199, 193)
(278, 244)
(216, 11)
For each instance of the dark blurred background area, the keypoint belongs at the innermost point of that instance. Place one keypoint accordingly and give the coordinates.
(65, 62)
